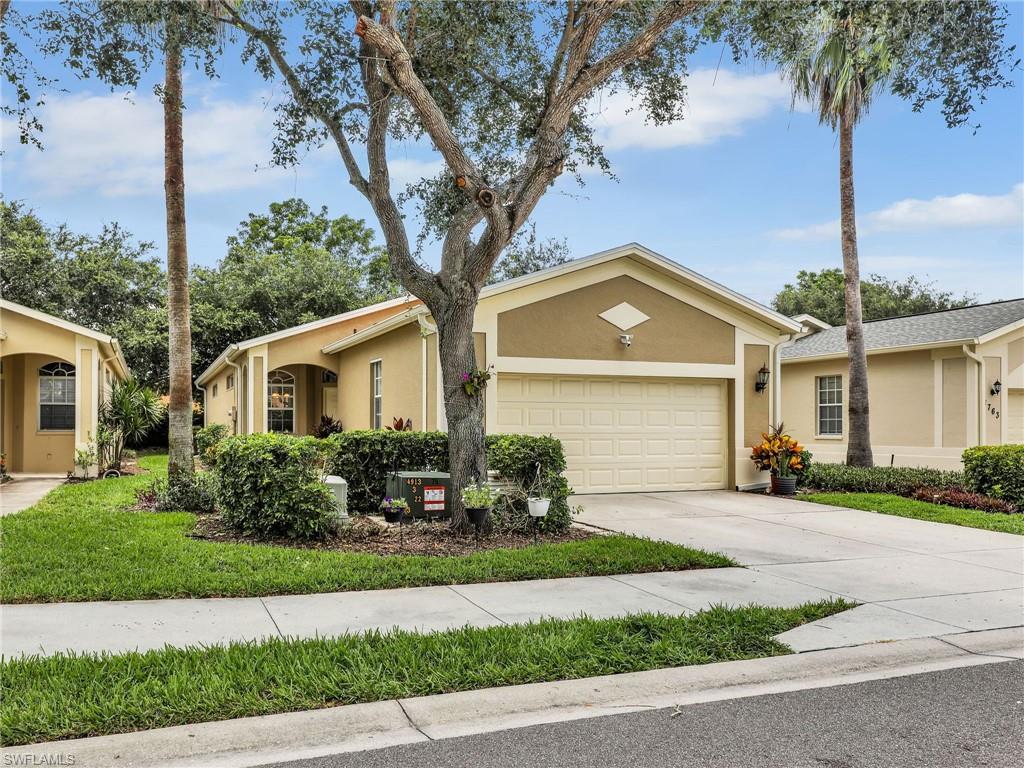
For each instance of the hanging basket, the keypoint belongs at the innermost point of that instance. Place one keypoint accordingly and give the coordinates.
(538, 507)
(478, 516)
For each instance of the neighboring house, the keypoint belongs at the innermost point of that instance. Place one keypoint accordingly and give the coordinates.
(937, 382)
(646, 371)
(53, 377)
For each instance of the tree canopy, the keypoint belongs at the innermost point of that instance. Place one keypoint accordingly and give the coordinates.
(821, 294)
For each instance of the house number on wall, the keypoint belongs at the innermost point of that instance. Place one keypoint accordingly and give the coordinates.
(992, 410)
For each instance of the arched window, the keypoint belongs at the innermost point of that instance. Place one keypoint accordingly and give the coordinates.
(57, 397)
(280, 402)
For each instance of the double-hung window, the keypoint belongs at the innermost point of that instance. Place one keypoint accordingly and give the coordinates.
(57, 397)
(376, 394)
(830, 405)
(280, 401)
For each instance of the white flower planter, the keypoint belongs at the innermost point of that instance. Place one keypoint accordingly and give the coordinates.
(538, 507)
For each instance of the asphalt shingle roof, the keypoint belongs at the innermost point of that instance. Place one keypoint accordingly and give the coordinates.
(929, 328)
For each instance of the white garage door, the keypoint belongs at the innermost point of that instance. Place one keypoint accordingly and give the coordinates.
(624, 434)
(1015, 412)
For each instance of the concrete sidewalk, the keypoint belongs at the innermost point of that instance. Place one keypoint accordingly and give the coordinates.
(22, 492)
(146, 624)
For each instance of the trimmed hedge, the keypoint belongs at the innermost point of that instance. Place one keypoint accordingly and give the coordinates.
(997, 471)
(365, 458)
(902, 481)
(271, 485)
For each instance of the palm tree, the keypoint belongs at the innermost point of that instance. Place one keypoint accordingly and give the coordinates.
(179, 466)
(839, 73)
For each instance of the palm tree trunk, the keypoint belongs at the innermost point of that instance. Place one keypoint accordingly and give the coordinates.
(858, 448)
(180, 467)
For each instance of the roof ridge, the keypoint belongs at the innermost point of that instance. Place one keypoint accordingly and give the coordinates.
(939, 311)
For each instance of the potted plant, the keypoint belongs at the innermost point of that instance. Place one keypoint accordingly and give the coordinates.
(536, 502)
(781, 455)
(394, 509)
(478, 499)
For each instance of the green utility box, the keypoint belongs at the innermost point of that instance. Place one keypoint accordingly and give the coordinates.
(427, 493)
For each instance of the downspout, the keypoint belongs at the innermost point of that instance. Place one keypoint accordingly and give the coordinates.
(425, 330)
(232, 350)
(981, 392)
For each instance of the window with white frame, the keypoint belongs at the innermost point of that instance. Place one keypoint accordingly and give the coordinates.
(280, 401)
(376, 394)
(57, 397)
(830, 405)
(231, 381)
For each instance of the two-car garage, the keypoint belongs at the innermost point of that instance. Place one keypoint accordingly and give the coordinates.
(624, 434)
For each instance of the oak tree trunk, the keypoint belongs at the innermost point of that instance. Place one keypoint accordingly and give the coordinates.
(858, 448)
(180, 467)
(467, 458)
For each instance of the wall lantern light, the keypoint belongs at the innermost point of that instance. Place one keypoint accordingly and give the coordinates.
(762, 379)
(997, 387)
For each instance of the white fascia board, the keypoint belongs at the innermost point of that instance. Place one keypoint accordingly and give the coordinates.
(372, 331)
(57, 322)
(882, 350)
(1000, 332)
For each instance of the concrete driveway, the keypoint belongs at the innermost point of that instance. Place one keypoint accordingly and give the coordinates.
(914, 578)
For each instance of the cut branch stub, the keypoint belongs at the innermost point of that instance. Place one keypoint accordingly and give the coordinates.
(361, 26)
(486, 197)
(460, 182)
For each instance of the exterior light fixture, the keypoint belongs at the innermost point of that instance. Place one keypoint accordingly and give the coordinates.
(626, 339)
(762, 379)
(997, 387)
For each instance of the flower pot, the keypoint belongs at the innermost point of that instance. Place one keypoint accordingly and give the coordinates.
(478, 516)
(538, 507)
(783, 486)
(392, 515)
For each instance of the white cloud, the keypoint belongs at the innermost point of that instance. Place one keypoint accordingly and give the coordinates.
(113, 144)
(964, 211)
(718, 104)
(408, 170)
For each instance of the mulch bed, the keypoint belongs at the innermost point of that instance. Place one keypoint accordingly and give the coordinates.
(373, 536)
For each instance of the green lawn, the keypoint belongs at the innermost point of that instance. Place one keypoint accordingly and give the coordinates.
(65, 697)
(82, 543)
(890, 504)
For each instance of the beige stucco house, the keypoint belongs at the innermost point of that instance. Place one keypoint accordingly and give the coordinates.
(647, 371)
(937, 383)
(53, 377)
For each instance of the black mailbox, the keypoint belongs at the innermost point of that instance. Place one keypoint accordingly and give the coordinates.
(428, 494)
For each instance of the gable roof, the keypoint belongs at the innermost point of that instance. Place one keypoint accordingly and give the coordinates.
(966, 325)
(661, 264)
(297, 329)
(66, 325)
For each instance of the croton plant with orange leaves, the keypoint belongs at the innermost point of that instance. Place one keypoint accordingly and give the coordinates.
(778, 453)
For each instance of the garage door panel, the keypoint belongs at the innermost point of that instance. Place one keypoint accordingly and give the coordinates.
(624, 434)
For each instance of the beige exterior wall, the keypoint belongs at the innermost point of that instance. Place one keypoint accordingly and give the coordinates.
(220, 400)
(756, 412)
(954, 402)
(568, 326)
(400, 353)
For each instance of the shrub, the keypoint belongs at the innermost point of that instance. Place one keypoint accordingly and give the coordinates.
(956, 497)
(902, 481)
(516, 457)
(196, 495)
(272, 485)
(326, 427)
(365, 457)
(996, 470)
(208, 438)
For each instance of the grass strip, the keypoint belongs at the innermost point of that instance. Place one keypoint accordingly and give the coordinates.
(82, 543)
(889, 504)
(69, 696)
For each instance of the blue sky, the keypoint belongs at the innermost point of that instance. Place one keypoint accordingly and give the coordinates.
(744, 190)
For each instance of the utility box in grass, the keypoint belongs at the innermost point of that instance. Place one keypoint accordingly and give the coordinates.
(427, 493)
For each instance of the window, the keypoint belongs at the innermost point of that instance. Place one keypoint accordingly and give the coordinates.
(280, 402)
(231, 381)
(329, 377)
(830, 405)
(214, 390)
(375, 394)
(57, 397)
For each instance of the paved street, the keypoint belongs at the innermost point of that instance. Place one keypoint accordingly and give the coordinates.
(959, 718)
